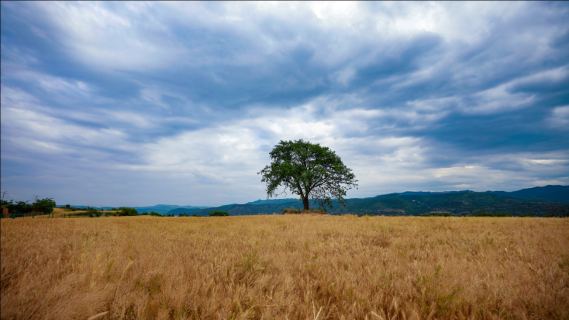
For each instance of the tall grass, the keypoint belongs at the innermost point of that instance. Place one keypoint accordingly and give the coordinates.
(285, 267)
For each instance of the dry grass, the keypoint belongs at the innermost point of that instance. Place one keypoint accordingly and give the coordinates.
(285, 267)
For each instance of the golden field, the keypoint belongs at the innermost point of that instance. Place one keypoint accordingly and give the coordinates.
(285, 267)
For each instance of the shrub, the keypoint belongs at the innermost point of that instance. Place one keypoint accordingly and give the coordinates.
(19, 207)
(44, 205)
(155, 214)
(219, 213)
(93, 211)
(125, 211)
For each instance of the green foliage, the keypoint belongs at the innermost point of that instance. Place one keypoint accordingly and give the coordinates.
(19, 207)
(155, 214)
(557, 210)
(218, 213)
(308, 170)
(125, 211)
(183, 214)
(93, 212)
(44, 205)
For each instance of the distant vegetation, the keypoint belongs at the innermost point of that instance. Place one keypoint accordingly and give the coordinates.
(457, 203)
(182, 211)
(218, 213)
(466, 203)
(126, 211)
(44, 206)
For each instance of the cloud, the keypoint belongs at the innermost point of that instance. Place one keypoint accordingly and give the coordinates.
(182, 102)
(559, 118)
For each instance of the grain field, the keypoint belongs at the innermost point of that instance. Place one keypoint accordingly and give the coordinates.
(285, 267)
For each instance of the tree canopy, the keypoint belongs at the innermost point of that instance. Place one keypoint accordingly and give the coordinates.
(43, 205)
(308, 170)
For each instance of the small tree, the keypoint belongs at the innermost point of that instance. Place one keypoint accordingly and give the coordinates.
(125, 211)
(20, 207)
(310, 171)
(45, 205)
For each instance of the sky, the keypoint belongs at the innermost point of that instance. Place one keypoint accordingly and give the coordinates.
(140, 103)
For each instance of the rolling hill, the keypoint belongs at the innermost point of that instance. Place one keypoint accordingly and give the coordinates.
(537, 200)
(454, 203)
(557, 194)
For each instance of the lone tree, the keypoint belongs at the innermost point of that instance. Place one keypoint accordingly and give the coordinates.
(310, 171)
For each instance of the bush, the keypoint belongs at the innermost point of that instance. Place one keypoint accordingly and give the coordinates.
(125, 211)
(93, 211)
(19, 207)
(155, 214)
(219, 213)
(44, 205)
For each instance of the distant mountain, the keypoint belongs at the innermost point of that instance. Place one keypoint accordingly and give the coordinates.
(455, 203)
(159, 208)
(164, 208)
(426, 193)
(537, 200)
(273, 201)
(252, 209)
(558, 194)
(177, 211)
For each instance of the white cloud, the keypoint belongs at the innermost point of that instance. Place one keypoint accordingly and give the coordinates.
(100, 37)
(190, 128)
(559, 118)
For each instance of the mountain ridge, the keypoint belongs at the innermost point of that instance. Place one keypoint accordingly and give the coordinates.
(415, 203)
(550, 194)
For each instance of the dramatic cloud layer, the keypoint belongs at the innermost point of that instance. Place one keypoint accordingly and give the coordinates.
(180, 103)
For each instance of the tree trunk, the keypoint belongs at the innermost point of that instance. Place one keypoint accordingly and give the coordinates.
(305, 203)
